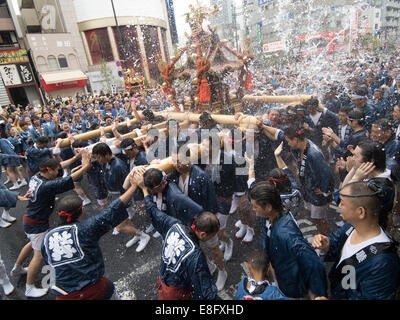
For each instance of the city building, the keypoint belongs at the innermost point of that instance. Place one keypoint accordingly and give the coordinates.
(118, 35)
(225, 21)
(18, 84)
(53, 40)
(311, 26)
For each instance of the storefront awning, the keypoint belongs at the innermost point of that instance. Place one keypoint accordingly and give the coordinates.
(65, 76)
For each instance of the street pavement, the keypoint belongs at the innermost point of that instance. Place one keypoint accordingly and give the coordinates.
(135, 274)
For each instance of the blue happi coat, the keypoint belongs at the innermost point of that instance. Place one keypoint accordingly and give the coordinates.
(42, 202)
(34, 156)
(201, 188)
(74, 252)
(296, 264)
(264, 292)
(183, 263)
(115, 173)
(316, 174)
(7, 148)
(179, 205)
(377, 277)
(352, 140)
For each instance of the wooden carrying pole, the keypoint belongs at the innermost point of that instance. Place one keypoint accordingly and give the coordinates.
(277, 99)
(219, 118)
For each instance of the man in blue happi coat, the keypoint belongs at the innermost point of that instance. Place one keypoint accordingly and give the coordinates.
(366, 265)
(44, 187)
(299, 271)
(184, 273)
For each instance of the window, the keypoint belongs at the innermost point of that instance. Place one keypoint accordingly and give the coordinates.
(8, 39)
(62, 61)
(52, 62)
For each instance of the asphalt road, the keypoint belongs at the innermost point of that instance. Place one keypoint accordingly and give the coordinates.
(134, 274)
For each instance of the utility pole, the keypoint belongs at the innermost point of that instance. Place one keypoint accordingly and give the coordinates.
(119, 40)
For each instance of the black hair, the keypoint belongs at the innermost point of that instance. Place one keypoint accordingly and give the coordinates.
(373, 151)
(357, 115)
(361, 91)
(259, 260)
(70, 204)
(62, 135)
(283, 186)
(313, 102)
(80, 143)
(43, 140)
(101, 149)
(148, 114)
(345, 109)
(206, 119)
(264, 193)
(123, 129)
(294, 131)
(152, 178)
(383, 124)
(207, 222)
(48, 163)
(127, 142)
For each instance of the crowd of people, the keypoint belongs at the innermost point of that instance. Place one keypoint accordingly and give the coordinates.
(339, 147)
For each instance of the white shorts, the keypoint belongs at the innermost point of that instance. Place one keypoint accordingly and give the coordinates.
(36, 240)
(317, 212)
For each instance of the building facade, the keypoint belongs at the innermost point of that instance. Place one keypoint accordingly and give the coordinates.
(137, 37)
(52, 37)
(18, 84)
(287, 25)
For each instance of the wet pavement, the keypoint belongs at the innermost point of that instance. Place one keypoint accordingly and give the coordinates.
(135, 274)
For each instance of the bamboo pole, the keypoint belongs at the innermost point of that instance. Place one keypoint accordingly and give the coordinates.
(277, 99)
(220, 118)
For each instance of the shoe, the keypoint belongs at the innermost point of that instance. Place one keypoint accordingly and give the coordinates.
(7, 181)
(15, 186)
(211, 266)
(133, 241)
(242, 231)
(156, 235)
(4, 224)
(86, 201)
(222, 246)
(115, 232)
(6, 216)
(23, 183)
(238, 224)
(249, 235)
(8, 288)
(228, 250)
(144, 240)
(18, 270)
(150, 228)
(222, 276)
(33, 292)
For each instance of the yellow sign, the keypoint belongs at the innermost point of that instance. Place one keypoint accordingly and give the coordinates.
(13, 56)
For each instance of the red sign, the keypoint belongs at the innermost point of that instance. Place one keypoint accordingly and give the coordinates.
(63, 85)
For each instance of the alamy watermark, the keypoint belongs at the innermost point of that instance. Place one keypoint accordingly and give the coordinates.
(202, 146)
